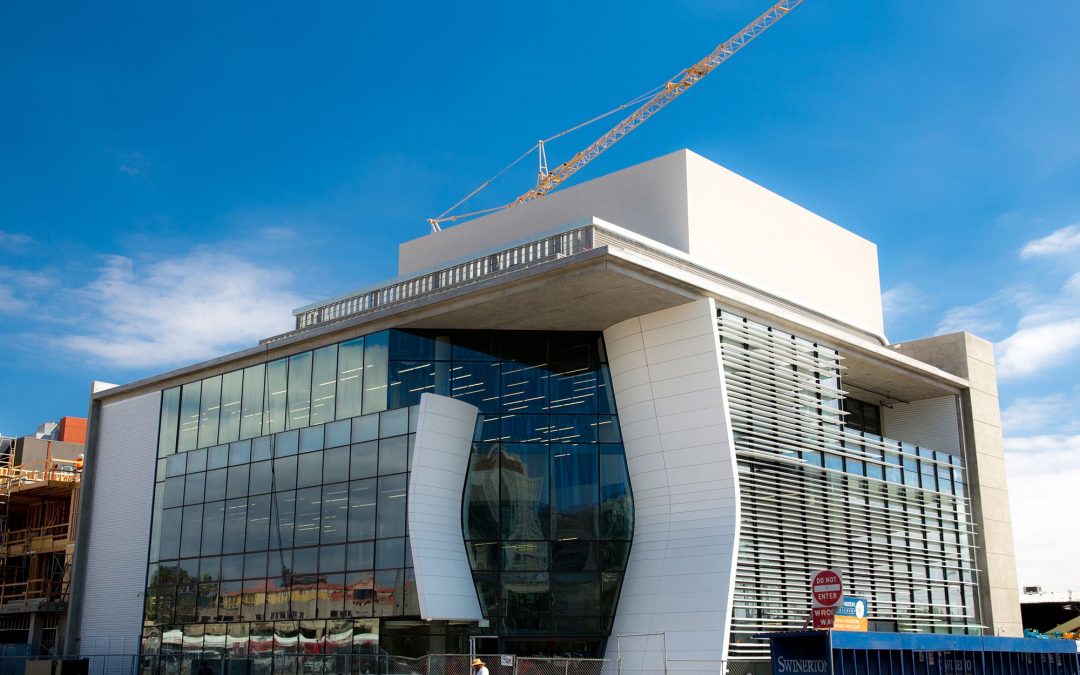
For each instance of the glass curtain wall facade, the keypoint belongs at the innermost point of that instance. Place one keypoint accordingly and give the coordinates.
(279, 523)
(817, 493)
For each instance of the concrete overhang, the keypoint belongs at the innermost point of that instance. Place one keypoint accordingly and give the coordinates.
(623, 276)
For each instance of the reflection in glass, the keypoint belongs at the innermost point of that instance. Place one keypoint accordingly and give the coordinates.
(274, 405)
(235, 525)
(231, 392)
(252, 403)
(481, 500)
(524, 495)
(170, 419)
(390, 511)
(350, 378)
(335, 513)
(376, 353)
(213, 526)
(299, 394)
(189, 416)
(210, 411)
(324, 385)
(308, 516)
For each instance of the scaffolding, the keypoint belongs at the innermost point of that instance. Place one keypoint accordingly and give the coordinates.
(38, 511)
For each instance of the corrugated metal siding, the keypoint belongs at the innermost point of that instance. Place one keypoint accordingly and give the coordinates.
(120, 526)
(930, 423)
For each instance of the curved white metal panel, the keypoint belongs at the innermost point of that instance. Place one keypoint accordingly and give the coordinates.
(440, 462)
(669, 387)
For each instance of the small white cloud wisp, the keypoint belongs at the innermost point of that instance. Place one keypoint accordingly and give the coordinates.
(1058, 242)
(179, 310)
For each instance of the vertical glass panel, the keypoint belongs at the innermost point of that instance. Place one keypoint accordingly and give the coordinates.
(193, 488)
(235, 526)
(170, 420)
(605, 395)
(196, 460)
(309, 471)
(210, 411)
(376, 350)
(362, 500)
(350, 389)
(573, 389)
(574, 496)
(191, 531)
(311, 439)
(335, 513)
(274, 405)
(174, 492)
(365, 460)
(213, 525)
(409, 379)
(215, 484)
(251, 422)
(389, 553)
(524, 492)
(155, 522)
(299, 390)
(258, 524)
(240, 452)
(476, 383)
(175, 465)
(284, 477)
(386, 600)
(336, 465)
(393, 455)
(231, 392)
(524, 388)
(390, 511)
(308, 516)
(189, 416)
(481, 502)
(526, 600)
(393, 423)
(261, 478)
(324, 385)
(170, 534)
(286, 444)
(360, 555)
(365, 428)
(238, 481)
(337, 433)
(282, 519)
(616, 504)
(217, 457)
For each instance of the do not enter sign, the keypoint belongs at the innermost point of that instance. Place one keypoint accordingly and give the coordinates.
(826, 588)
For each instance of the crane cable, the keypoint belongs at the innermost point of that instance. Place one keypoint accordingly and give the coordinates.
(443, 218)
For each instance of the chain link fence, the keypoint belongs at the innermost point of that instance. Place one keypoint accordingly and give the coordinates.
(208, 663)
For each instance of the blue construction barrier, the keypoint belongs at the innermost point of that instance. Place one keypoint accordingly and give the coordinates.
(853, 653)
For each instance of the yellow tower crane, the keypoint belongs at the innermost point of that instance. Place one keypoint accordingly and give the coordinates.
(656, 99)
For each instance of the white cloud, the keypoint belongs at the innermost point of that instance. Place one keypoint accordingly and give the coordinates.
(1043, 477)
(1038, 348)
(981, 319)
(19, 289)
(14, 240)
(179, 310)
(1058, 242)
(902, 299)
(1043, 415)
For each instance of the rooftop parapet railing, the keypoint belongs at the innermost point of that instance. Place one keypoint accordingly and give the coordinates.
(529, 254)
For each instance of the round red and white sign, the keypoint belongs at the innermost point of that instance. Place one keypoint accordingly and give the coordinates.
(827, 588)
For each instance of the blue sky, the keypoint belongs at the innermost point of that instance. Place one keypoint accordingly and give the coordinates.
(178, 177)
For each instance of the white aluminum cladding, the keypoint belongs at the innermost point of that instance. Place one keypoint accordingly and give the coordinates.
(669, 387)
(440, 461)
(123, 475)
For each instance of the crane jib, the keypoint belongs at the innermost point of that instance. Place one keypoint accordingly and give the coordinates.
(671, 90)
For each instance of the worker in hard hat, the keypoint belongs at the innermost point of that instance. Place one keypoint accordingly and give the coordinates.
(479, 668)
(79, 464)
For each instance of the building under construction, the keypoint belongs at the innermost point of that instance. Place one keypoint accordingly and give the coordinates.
(39, 494)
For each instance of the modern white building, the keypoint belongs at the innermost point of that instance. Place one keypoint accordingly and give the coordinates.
(631, 416)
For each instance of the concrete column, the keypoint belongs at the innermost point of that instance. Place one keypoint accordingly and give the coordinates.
(971, 357)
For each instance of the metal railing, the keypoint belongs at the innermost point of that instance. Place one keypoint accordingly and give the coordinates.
(530, 254)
